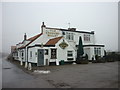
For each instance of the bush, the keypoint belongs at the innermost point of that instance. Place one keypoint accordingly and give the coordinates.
(99, 60)
(110, 60)
(86, 56)
(111, 57)
(82, 60)
(78, 60)
(94, 61)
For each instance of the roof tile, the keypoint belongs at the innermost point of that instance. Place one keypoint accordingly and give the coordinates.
(53, 41)
(31, 40)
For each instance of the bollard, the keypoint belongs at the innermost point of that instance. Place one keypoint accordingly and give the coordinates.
(29, 66)
(21, 63)
(26, 65)
(57, 62)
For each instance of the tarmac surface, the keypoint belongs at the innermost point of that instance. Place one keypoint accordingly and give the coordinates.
(92, 75)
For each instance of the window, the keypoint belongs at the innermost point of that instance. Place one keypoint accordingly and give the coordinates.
(53, 53)
(46, 51)
(30, 53)
(16, 54)
(70, 53)
(22, 54)
(69, 36)
(86, 37)
(97, 51)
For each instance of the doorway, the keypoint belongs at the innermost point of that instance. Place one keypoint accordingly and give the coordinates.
(40, 57)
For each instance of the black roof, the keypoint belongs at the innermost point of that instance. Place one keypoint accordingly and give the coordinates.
(77, 31)
(94, 45)
(92, 32)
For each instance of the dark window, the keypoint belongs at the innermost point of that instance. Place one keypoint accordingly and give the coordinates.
(69, 36)
(22, 54)
(97, 51)
(16, 53)
(53, 54)
(63, 33)
(30, 53)
(70, 53)
(69, 58)
(46, 51)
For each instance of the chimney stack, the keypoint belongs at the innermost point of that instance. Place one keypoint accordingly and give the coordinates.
(92, 32)
(43, 25)
(25, 37)
(72, 29)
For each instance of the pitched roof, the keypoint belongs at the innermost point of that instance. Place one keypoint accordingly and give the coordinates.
(53, 41)
(31, 40)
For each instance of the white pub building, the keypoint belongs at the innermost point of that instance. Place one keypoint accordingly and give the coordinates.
(55, 44)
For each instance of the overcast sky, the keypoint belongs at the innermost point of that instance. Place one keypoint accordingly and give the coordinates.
(20, 18)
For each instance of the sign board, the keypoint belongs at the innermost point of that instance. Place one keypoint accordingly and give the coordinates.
(63, 45)
(52, 32)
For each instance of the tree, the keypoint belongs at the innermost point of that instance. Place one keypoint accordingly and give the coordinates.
(80, 51)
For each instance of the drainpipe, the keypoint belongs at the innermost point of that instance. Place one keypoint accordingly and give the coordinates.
(21, 62)
(27, 54)
(26, 62)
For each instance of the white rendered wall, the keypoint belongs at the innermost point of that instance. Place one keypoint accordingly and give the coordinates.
(32, 59)
(62, 53)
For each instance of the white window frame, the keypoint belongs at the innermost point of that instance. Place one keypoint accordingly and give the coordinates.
(69, 36)
(70, 53)
(86, 37)
(97, 51)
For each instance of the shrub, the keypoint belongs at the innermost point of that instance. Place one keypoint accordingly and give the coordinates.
(86, 56)
(94, 61)
(99, 60)
(96, 57)
(82, 60)
(78, 60)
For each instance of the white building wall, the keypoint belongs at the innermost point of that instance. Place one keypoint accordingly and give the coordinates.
(19, 55)
(62, 53)
(92, 53)
(32, 59)
(45, 37)
(87, 51)
(23, 57)
(102, 51)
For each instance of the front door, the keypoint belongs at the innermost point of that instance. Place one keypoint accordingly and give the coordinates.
(40, 57)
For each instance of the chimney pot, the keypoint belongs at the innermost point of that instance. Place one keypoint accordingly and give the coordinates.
(72, 29)
(25, 36)
(43, 25)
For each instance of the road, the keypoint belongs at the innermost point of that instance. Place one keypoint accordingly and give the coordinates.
(92, 75)
(14, 77)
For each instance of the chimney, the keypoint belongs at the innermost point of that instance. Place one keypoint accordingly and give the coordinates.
(92, 32)
(72, 29)
(43, 25)
(25, 37)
